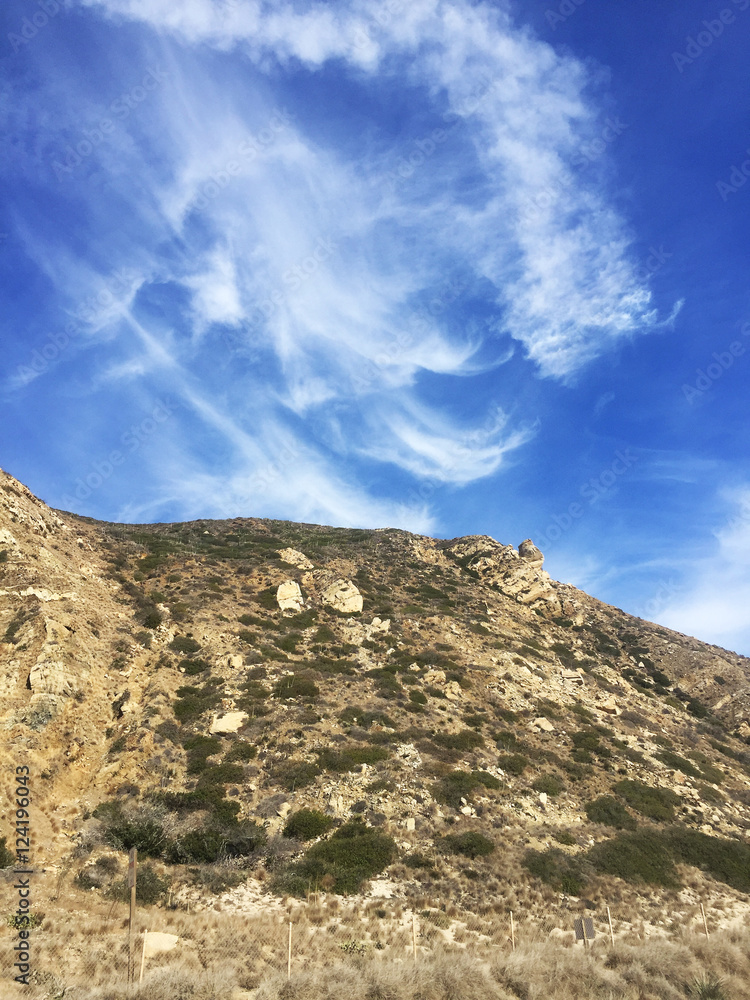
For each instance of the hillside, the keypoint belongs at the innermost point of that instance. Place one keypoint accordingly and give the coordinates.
(436, 713)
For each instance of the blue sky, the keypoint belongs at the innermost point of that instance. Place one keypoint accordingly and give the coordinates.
(455, 267)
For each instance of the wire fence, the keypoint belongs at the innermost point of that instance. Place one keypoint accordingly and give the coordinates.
(84, 942)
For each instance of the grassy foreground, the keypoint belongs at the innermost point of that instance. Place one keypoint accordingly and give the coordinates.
(656, 969)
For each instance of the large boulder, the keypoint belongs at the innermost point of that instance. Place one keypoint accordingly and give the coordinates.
(343, 596)
(226, 724)
(289, 596)
(295, 558)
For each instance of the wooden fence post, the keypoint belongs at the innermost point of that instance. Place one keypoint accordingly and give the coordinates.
(705, 924)
(143, 958)
(611, 931)
(414, 935)
(132, 868)
(512, 933)
(289, 954)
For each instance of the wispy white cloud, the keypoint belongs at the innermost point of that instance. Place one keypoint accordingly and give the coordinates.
(335, 265)
(713, 594)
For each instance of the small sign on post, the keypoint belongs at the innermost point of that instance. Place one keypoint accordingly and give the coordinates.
(132, 866)
(584, 928)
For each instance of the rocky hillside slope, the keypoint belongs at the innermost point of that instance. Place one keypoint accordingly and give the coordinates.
(297, 707)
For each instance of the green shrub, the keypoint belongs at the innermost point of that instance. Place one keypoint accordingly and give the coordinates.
(610, 811)
(307, 824)
(295, 774)
(551, 784)
(678, 763)
(506, 740)
(267, 599)
(418, 860)
(467, 739)
(471, 844)
(457, 785)
(199, 749)
(709, 771)
(324, 634)
(184, 644)
(354, 715)
(557, 869)
(708, 987)
(727, 861)
(150, 887)
(240, 751)
(564, 837)
(417, 697)
(354, 853)
(296, 687)
(289, 642)
(7, 858)
(512, 763)
(192, 702)
(697, 708)
(152, 619)
(636, 857)
(656, 803)
(147, 836)
(201, 845)
(221, 774)
(193, 667)
(341, 761)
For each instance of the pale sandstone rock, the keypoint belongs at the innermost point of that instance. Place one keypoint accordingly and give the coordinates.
(295, 558)
(235, 661)
(343, 596)
(453, 691)
(610, 707)
(544, 724)
(229, 723)
(518, 576)
(543, 798)
(289, 596)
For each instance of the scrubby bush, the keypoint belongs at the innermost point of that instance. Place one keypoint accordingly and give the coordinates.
(678, 763)
(295, 774)
(152, 619)
(184, 644)
(636, 857)
(353, 715)
(192, 701)
(354, 853)
(349, 758)
(558, 869)
(199, 749)
(240, 751)
(551, 784)
(512, 763)
(307, 824)
(296, 687)
(656, 803)
(150, 887)
(7, 858)
(466, 739)
(471, 844)
(611, 812)
(457, 785)
(194, 667)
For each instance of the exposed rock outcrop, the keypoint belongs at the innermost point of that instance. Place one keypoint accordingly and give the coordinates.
(518, 574)
(295, 558)
(343, 596)
(289, 596)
